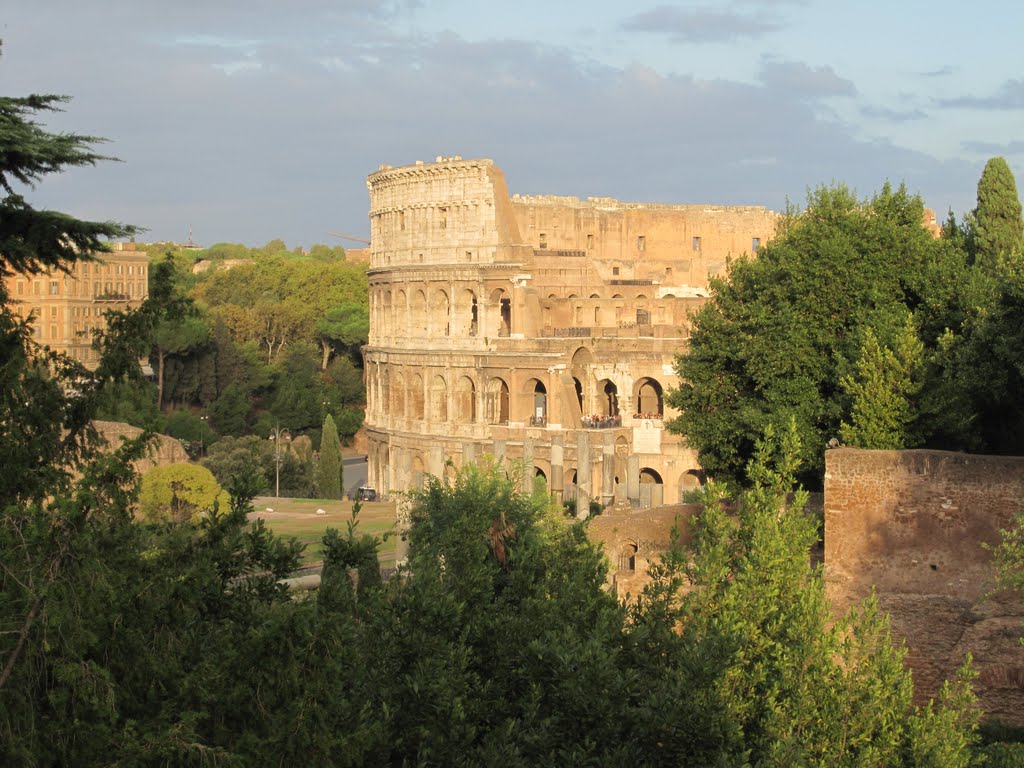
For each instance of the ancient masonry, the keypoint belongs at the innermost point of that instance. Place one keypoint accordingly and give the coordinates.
(914, 526)
(541, 330)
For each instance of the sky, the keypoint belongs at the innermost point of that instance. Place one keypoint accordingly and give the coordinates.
(249, 120)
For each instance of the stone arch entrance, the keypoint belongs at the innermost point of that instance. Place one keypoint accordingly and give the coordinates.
(652, 488)
(438, 399)
(497, 401)
(502, 303)
(465, 400)
(608, 398)
(536, 395)
(648, 399)
(689, 481)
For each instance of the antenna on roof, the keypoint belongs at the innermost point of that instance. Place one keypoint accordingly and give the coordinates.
(190, 243)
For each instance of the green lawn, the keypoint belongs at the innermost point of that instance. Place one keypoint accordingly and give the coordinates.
(298, 518)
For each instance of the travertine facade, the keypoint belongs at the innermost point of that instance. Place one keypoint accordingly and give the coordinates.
(537, 329)
(66, 308)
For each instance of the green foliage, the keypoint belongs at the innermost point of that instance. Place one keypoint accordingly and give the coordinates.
(229, 413)
(133, 402)
(179, 493)
(998, 226)
(882, 390)
(770, 678)
(345, 329)
(329, 474)
(232, 457)
(784, 329)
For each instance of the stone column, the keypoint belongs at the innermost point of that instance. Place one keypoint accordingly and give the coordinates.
(608, 468)
(583, 484)
(528, 473)
(435, 461)
(499, 454)
(557, 480)
(633, 479)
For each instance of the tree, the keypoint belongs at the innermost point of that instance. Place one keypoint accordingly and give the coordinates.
(882, 390)
(177, 326)
(344, 328)
(737, 618)
(998, 226)
(179, 493)
(782, 330)
(330, 470)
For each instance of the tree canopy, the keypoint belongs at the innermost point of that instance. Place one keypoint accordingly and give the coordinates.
(785, 330)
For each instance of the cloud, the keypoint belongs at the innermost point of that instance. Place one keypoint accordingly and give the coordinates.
(992, 148)
(283, 150)
(701, 25)
(1009, 96)
(893, 115)
(940, 72)
(799, 80)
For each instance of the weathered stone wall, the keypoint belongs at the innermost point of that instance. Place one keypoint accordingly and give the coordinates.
(634, 539)
(164, 449)
(913, 525)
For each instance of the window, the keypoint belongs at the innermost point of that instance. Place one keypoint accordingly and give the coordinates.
(21, 287)
(53, 288)
(590, 242)
(641, 243)
(696, 243)
(755, 244)
(615, 270)
(444, 217)
(543, 240)
(668, 271)
(53, 311)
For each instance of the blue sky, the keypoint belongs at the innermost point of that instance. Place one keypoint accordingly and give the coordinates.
(252, 120)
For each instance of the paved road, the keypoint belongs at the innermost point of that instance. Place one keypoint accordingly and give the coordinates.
(355, 473)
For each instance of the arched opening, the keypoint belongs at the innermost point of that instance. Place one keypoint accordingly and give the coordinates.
(469, 312)
(594, 296)
(465, 400)
(540, 481)
(649, 476)
(504, 306)
(398, 396)
(538, 399)
(439, 318)
(579, 391)
(418, 313)
(627, 557)
(438, 399)
(688, 482)
(416, 396)
(582, 358)
(497, 401)
(649, 399)
(609, 400)
(418, 472)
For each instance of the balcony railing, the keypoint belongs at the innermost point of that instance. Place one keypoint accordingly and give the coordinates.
(601, 422)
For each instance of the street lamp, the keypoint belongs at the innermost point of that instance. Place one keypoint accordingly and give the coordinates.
(202, 434)
(276, 434)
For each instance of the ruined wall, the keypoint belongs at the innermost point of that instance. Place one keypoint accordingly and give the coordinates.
(164, 450)
(487, 329)
(675, 245)
(633, 540)
(912, 525)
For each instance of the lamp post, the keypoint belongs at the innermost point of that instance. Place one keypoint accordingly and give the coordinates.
(202, 435)
(276, 434)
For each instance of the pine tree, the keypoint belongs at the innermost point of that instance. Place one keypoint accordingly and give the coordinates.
(998, 226)
(882, 389)
(330, 471)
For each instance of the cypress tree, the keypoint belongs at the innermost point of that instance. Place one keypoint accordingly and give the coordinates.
(329, 470)
(998, 226)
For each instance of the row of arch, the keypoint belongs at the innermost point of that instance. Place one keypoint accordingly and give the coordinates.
(406, 396)
(417, 313)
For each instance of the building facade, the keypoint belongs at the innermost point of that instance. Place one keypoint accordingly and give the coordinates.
(541, 330)
(66, 308)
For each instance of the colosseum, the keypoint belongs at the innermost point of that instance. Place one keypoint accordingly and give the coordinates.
(538, 329)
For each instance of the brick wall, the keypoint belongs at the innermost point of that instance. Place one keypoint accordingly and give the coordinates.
(912, 525)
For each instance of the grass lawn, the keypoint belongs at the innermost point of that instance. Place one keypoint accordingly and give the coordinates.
(298, 518)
